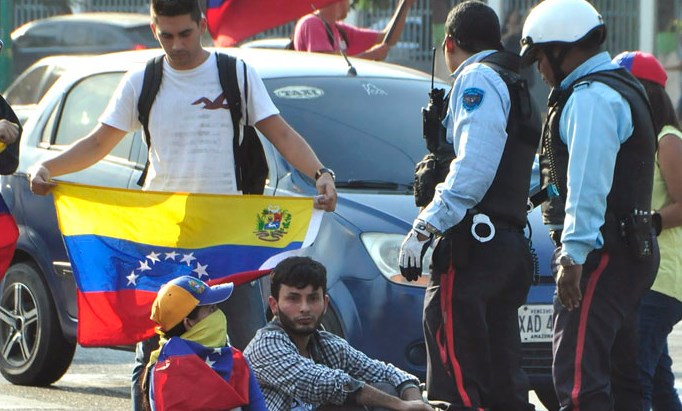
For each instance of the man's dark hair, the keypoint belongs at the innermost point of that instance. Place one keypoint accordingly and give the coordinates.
(474, 26)
(298, 272)
(593, 40)
(172, 8)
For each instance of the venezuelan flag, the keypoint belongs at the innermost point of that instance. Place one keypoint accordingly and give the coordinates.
(124, 244)
(8, 237)
(220, 379)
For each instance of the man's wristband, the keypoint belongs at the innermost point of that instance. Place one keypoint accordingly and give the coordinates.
(325, 170)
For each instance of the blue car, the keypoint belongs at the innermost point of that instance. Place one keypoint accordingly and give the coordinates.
(367, 128)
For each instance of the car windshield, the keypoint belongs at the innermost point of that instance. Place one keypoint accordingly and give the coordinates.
(369, 131)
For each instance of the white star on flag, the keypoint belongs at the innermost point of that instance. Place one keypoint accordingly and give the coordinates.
(201, 270)
(218, 351)
(171, 256)
(188, 258)
(144, 266)
(209, 362)
(131, 278)
(154, 257)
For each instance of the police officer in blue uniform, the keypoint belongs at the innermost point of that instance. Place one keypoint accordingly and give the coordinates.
(481, 267)
(598, 163)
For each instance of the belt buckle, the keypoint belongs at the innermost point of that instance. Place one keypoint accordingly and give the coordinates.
(485, 220)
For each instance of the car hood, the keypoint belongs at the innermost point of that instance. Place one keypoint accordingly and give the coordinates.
(377, 212)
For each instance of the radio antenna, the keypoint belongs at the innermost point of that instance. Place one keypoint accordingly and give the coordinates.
(433, 65)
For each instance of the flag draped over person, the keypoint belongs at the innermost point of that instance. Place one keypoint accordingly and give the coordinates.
(184, 363)
(124, 244)
(8, 237)
(231, 21)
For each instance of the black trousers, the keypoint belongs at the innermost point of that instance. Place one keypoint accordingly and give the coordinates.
(471, 322)
(595, 346)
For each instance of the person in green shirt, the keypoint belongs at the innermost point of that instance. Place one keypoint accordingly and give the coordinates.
(661, 306)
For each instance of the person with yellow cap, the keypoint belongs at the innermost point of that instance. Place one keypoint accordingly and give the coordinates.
(194, 351)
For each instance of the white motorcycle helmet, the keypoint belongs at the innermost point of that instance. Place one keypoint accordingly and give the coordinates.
(559, 21)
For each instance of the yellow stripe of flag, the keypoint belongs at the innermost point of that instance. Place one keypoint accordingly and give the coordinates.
(179, 219)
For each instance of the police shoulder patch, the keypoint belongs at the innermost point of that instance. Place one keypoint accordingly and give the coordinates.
(472, 98)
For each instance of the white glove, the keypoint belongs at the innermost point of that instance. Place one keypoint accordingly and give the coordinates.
(412, 252)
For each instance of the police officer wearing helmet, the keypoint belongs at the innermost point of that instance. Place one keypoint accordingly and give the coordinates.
(482, 267)
(598, 164)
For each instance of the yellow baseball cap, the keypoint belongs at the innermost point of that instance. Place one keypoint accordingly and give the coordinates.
(177, 298)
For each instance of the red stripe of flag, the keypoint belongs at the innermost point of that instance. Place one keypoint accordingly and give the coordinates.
(9, 233)
(240, 278)
(114, 317)
(231, 21)
(101, 315)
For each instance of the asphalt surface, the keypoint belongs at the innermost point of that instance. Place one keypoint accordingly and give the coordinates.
(99, 379)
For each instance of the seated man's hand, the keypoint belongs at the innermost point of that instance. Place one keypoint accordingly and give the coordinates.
(9, 132)
(39, 179)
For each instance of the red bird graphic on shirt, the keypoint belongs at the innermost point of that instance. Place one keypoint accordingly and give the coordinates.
(218, 103)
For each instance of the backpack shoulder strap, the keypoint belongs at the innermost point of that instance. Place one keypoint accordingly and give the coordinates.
(343, 34)
(227, 73)
(150, 87)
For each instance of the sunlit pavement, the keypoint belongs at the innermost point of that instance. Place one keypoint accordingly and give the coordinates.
(100, 379)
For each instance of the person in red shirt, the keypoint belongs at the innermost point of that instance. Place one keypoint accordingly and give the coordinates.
(324, 31)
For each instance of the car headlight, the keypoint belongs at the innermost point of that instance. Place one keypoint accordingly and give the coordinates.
(384, 249)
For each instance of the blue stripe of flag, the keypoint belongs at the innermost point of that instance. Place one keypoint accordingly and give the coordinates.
(112, 264)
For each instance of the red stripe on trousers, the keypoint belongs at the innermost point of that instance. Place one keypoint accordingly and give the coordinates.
(582, 326)
(446, 291)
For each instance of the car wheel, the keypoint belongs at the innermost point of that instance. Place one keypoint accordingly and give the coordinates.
(33, 350)
(548, 398)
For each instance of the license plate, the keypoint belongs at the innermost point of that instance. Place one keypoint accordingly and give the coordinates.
(535, 323)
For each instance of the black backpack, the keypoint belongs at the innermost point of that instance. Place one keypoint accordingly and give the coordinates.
(250, 163)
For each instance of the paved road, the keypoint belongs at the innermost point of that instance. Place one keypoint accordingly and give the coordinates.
(99, 379)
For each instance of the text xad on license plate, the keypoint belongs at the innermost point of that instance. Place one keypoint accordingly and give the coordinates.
(535, 323)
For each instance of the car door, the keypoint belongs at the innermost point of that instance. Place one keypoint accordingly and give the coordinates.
(64, 119)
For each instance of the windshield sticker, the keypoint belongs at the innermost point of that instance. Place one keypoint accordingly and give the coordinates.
(299, 92)
(373, 90)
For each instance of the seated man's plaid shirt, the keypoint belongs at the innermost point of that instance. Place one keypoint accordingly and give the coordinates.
(287, 378)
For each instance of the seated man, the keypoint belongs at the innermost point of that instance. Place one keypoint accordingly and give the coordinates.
(194, 352)
(301, 368)
(325, 32)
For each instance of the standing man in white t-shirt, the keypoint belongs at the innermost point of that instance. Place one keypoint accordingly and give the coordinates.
(178, 160)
